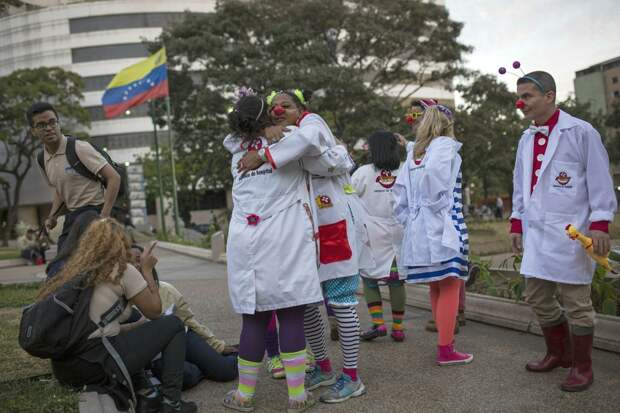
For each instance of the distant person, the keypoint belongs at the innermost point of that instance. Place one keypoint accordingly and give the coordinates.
(30, 248)
(75, 192)
(499, 207)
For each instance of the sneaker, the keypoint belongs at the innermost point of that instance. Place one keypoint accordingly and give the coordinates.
(317, 378)
(275, 367)
(398, 335)
(374, 332)
(432, 327)
(235, 402)
(447, 356)
(181, 407)
(295, 406)
(343, 389)
(310, 362)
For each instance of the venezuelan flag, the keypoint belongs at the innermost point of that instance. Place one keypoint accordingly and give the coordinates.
(135, 84)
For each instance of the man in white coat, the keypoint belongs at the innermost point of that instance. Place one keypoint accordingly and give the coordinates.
(561, 177)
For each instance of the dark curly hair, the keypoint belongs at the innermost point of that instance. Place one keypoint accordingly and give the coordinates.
(384, 151)
(249, 117)
(307, 94)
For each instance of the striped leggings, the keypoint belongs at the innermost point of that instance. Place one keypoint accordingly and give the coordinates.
(348, 331)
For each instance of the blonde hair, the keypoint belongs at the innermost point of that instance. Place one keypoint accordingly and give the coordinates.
(434, 123)
(102, 255)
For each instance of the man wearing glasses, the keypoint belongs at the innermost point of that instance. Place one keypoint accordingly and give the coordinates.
(76, 192)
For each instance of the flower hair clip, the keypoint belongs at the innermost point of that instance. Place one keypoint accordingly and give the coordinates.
(245, 91)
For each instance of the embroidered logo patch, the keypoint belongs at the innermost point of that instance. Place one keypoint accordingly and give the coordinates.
(323, 201)
(563, 178)
(386, 179)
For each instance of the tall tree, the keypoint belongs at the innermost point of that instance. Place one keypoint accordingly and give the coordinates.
(366, 57)
(17, 146)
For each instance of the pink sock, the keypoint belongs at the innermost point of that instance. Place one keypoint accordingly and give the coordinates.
(324, 365)
(351, 373)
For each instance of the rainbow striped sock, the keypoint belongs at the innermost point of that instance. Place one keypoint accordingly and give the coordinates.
(376, 313)
(295, 367)
(397, 320)
(248, 374)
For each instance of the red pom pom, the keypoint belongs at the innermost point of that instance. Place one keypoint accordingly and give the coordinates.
(520, 104)
(409, 119)
(516, 64)
(502, 70)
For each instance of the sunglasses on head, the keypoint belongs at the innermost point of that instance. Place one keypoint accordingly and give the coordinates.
(412, 117)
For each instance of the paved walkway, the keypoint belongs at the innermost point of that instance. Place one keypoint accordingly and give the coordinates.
(400, 377)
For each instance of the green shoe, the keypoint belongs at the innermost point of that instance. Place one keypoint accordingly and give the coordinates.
(316, 378)
(295, 406)
(275, 367)
(240, 404)
(343, 389)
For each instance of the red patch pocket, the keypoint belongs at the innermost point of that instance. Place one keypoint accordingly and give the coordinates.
(334, 244)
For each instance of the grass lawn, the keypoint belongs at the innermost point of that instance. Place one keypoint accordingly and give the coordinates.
(26, 384)
(9, 253)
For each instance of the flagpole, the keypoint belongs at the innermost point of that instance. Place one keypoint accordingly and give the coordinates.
(174, 177)
(162, 214)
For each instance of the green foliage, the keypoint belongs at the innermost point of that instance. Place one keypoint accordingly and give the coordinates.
(359, 54)
(605, 293)
(18, 295)
(39, 395)
(17, 146)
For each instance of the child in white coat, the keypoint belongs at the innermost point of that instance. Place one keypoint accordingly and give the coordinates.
(429, 206)
(373, 183)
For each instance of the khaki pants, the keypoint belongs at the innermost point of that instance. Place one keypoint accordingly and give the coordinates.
(542, 296)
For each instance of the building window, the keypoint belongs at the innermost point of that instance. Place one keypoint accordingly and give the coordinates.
(614, 79)
(123, 140)
(122, 21)
(617, 93)
(97, 83)
(96, 112)
(108, 52)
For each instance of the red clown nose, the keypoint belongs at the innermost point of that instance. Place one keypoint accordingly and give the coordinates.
(409, 119)
(520, 104)
(278, 110)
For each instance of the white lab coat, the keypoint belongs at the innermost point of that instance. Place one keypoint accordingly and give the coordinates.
(343, 237)
(424, 200)
(272, 264)
(374, 187)
(582, 194)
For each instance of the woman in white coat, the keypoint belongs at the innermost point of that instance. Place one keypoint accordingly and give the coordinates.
(271, 255)
(343, 244)
(373, 183)
(429, 206)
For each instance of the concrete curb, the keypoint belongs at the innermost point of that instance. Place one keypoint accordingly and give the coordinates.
(514, 315)
(13, 262)
(195, 252)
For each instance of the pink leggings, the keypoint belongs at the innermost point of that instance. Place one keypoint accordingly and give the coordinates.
(445, 303)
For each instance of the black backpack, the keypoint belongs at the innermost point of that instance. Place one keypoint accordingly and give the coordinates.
(58, 327)
(79, 167)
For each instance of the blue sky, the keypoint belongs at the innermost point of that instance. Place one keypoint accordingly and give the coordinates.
(559, 36)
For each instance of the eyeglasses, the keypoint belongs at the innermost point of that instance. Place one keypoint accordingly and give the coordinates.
(44, 125)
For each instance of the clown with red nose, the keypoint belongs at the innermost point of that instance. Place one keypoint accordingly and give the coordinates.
(561, 177)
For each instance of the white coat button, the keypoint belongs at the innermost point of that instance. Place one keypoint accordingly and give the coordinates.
(537, 172)
(540, 157)
(542, 141)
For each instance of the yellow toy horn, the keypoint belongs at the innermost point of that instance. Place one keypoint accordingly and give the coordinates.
(586, 243)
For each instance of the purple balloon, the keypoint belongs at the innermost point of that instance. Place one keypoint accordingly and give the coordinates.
(502, 70)
(516, 64)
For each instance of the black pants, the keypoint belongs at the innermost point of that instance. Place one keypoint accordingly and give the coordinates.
(139, 346)
(70, 219)
(202, 362)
